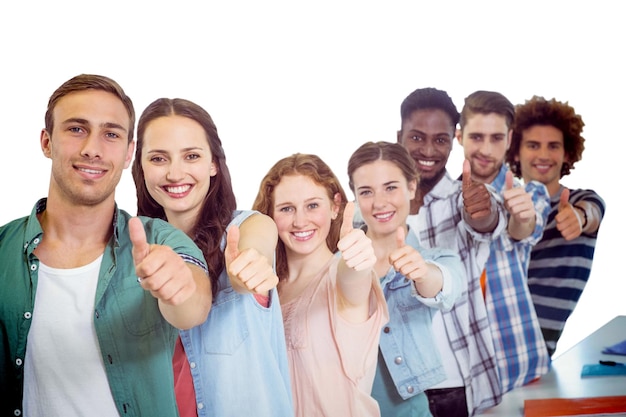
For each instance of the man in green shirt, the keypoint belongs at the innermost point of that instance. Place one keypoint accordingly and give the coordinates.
(90, 298)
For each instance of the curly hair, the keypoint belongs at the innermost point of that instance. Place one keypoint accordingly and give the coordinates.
(219, 203)
(560, 115)
(310, 166)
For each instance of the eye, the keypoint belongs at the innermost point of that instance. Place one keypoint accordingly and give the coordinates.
(286, 209)
(442, 140)
(193, 156)
(391, 187)
(111, 135)
(365, 193)
(313, 206)
(75, 129)
(416, 138)
(157, 159)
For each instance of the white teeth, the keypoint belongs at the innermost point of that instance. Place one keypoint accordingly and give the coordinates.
(177, 190)
(383, 216)
(426, 163)
(302, 234)
(543, 166)
(90, 171)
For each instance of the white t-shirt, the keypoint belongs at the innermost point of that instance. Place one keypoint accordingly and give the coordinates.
(64, 372)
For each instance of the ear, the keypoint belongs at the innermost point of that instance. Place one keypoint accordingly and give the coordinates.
(45, 142)
(509, 138)
(213, 169)
(336, 205)
(412, 189)
(129, 154)
(459, 136)
(399, 136)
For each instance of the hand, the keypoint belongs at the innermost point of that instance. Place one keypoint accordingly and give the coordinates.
(247, 269)
(159, 269)
(567, 219)
(356, 248)
(476, 196)
(406, 260)
(517, 201)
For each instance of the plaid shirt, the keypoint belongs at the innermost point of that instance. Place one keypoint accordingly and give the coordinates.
(440, 224)
(520, 349)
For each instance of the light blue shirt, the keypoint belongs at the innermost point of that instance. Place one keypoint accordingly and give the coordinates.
(238, 356)
(406, 342)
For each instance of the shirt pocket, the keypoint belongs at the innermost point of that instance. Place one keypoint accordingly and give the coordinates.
(138, 308)
(226, 328)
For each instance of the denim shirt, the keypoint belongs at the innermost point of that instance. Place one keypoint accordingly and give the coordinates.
(238, 356)
(406, 342)
(136, 342)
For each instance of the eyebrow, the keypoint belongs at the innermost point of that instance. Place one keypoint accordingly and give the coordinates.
(107, 125)
(192, 148)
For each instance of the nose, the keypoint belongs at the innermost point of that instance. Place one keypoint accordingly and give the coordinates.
(175, 172)
(91, 148)
(426, 148)
(299, 218)
(379, 200)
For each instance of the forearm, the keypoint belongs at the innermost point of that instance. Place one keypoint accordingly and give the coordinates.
(592, 212)
(521, 230)
(195, 309)
(431, 284)
(354, 289)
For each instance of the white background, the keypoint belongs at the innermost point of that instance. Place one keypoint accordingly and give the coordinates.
(323, 77)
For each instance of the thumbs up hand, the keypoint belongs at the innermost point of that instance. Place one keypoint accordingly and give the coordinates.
(248, 270)
(356, 248)
(159, 269)
(406, 260)
(476, 196)
(568, 220)
(518, 202)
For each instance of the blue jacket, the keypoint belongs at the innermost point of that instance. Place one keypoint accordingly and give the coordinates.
(406, 342)
(238, 356)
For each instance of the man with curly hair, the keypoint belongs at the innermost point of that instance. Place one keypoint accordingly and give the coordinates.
(546, 143)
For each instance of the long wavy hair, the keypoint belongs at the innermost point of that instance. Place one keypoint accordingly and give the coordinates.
(219, 203)
(313, 167)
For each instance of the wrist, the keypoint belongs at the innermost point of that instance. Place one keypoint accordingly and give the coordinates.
(585, 219)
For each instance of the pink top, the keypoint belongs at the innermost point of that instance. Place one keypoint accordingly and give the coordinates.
(332, 362)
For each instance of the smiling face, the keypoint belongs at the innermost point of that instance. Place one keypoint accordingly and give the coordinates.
(485, 139)
(88, 147)
(427, 135)
(541, 156)
(303, 212)
(384, 196)
(178, 166)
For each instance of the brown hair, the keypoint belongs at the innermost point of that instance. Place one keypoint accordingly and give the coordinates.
(486, 102)
(90, 82)
(542, 112)
(313, 167)
(386, 151)
(219, 202)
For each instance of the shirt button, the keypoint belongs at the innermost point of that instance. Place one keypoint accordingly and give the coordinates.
(386, 329)
(17, 412)
(97, 314)
(410, 389)
(200, 406)
(192, 365)
(36, 241)
(398, 360)
(18, 362)
(27, 315)
(33, 267)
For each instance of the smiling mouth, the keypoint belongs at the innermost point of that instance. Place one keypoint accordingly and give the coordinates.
(90, 171)
(426, 163)
(179, 189)
(384, 216)
(303, 235)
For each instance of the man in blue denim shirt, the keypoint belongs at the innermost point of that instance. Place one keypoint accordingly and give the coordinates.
(90, 299)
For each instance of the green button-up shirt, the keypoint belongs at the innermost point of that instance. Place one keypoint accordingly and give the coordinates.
(135, 340)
